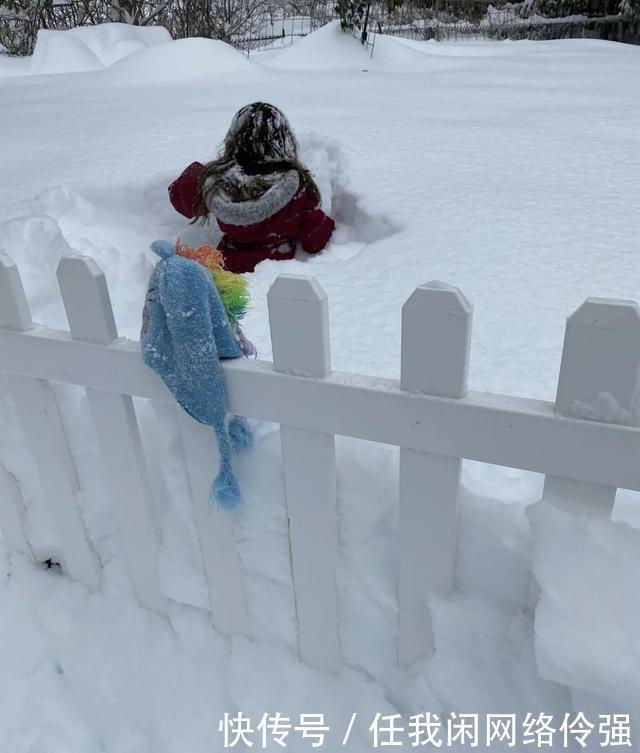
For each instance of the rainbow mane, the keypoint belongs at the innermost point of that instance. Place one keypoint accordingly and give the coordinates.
(232, 288)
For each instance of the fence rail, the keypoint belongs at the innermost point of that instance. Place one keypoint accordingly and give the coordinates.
(429, 414)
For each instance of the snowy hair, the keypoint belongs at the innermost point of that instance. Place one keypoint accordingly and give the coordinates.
(260, 133)
(261, 142)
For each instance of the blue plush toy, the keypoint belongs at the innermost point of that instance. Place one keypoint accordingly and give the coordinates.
(185, 332)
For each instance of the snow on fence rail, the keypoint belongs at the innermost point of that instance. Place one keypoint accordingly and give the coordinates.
(429, 414)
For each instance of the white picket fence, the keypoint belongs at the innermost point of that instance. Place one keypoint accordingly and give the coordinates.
(429, 414)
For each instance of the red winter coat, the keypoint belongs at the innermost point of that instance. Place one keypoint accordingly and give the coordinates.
(267, 225)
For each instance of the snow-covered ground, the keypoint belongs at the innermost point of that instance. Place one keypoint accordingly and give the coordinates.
(507, 169)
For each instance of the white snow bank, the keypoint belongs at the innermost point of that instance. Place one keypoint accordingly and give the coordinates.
(588, 615)
(58, 54)
(37, 245)
(459, 48)
(101, 39)
(329, 48)
(182, 59)
(56, 224)
(130, 53)
(392, 54)
(90, 48)
(97, 672)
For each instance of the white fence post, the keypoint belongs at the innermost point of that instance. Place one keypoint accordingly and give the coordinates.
(12, 515)
(45, 436)
(222, 567)
(599, 379)
(14, 314)
(86, 300)
(436, 331)
(14, 309)
(299, 321)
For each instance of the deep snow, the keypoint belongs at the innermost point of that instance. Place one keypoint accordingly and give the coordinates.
(507, 169)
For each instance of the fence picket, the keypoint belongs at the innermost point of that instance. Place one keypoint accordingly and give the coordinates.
(14, 309)
(45, 437)
(86, 300)
(12, 515)
(14, 314)
(600, 362)
(218, 549)
(299, 321)
(436, 331)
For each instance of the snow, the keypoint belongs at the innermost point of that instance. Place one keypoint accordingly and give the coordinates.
(390, 54)
(603, 407)
(506, 169)
(586, 622)
(151, 55)
(56, 54)
(310, 52)
(183, 59)
(91, 48)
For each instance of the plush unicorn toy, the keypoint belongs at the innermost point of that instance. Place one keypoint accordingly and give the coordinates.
(186, 330)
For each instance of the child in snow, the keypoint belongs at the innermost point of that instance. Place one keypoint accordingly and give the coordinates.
(262, 197)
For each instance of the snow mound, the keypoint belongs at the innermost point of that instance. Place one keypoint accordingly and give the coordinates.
(329, 48)
(391, 54)
(469, 48)
(121, 49)
(91, 48)
(179, 60)
(130, 54)
(57, 54)
(37, 242)
(585, 591)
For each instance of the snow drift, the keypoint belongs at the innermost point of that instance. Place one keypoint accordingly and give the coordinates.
(127, 54)
(184, 59)
(330, 49)
(588, 571)
(327, 49)
(90, 48)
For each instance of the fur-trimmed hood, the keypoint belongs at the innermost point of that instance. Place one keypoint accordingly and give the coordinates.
(237, 198)
(261, 216)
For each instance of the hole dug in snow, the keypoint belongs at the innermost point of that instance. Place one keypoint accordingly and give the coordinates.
(329, 163)
(356, 223)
